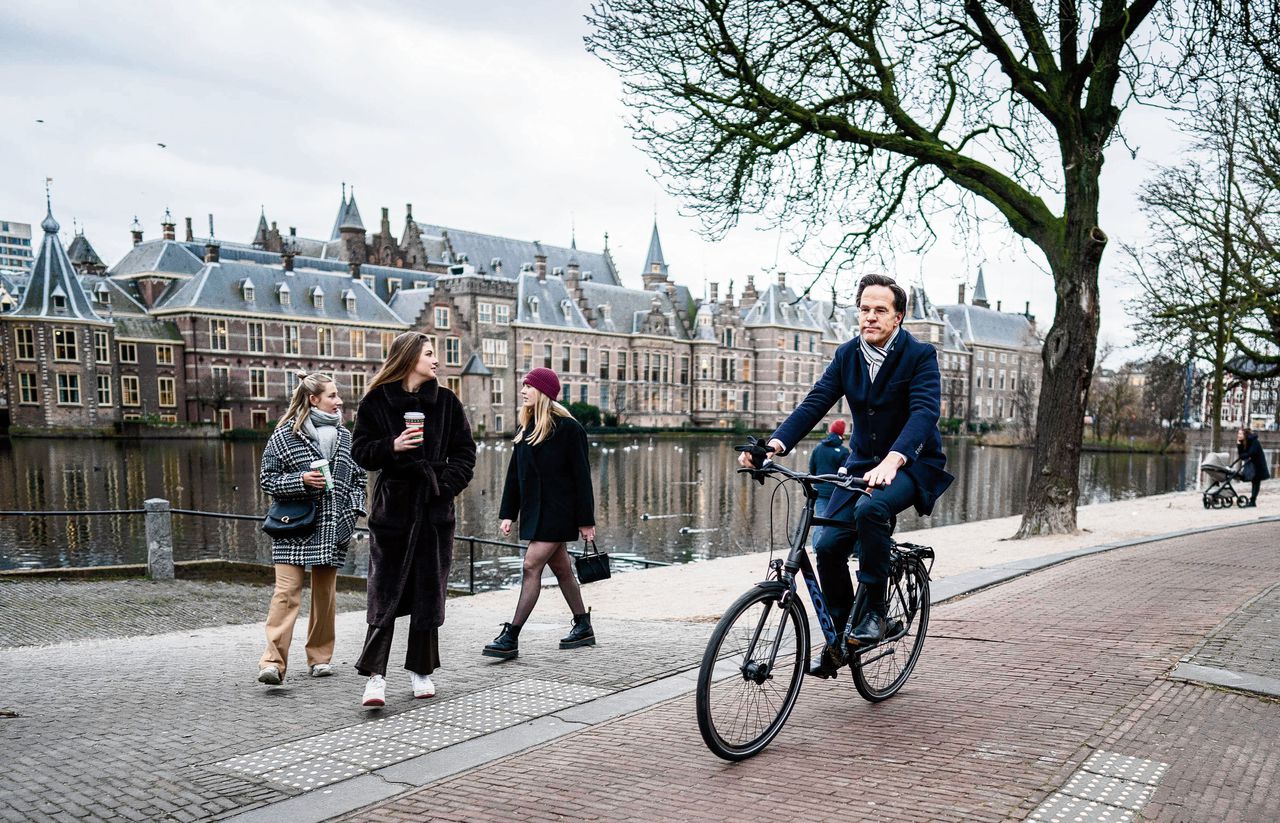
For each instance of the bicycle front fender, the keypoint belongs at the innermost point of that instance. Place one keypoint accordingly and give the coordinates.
(780, 588)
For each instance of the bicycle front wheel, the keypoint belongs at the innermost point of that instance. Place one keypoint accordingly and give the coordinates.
(880, 671)
(751, 673)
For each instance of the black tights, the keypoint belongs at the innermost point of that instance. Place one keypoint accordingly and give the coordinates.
(539, 555)
(1257, 484)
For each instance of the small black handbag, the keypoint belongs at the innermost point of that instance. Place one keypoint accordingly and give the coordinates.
(290, 518)
(592, 564)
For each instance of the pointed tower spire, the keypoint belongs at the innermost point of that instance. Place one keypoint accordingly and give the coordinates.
(260, 236)
(980, 291)
(655, 267)
(53, 290)
(351, 215)
(342, 214)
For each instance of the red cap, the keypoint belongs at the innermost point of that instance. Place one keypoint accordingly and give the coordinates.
(545, 381)
(837, 428)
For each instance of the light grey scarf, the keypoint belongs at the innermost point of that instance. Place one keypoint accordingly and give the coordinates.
(875, 355)
(322, 428)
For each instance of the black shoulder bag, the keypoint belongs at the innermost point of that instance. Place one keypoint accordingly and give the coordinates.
(290, 518)
(592, 564)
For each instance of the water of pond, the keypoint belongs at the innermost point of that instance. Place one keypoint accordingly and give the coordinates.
(668, 498)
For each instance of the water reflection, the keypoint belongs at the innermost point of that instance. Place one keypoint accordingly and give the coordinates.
(699, 507)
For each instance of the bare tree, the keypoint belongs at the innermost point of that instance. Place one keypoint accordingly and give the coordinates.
(218, 391)
(1164, 395)
(879, 115)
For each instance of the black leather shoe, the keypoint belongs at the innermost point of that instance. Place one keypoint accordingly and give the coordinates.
(581, 634)
(828, 665)
(870, 629)
(506, 645)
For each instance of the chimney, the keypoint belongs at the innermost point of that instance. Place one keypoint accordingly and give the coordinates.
(211, 251)
(998, 302)
(782, 279)
(136, 231)
(749, 294)
(496, 265)
(1026, 311)
(293, 231)
(167, 226)
(408, 211)
(191, 235)
(715, 292)
(286, 259)
(572, 275)
(541, 266)
(960, 299)
(355, 270)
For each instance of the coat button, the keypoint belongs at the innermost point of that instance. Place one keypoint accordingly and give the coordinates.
(871, 412)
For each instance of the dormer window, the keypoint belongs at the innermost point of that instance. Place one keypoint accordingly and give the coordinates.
(59, 299)
(349, 299)
(606, 312)
(246, 290)
(533, 305)
(102, 295)
(317, 297)
(283, 293)
(567, 307)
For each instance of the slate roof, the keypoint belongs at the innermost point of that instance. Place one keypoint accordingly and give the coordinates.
(547, 302)
(218, 287)
(476, 366)
(351, 215)
(52, 277)
(629, 308)
(122, 299)
(13, 282)
(81, 252)
(146, 328)
(408, 304)
(482, 249)
(774, 307)
(654, 254)
(167, 256)
(988, 327)
(980, 289)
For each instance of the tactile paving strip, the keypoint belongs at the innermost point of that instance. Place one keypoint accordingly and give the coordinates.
(1107, 788)
(529, 705)
(312, 774)
(432, 736)
(378, 753)
(573, 692)
(1125, 767)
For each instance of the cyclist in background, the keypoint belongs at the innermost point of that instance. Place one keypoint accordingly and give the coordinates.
(893, 387)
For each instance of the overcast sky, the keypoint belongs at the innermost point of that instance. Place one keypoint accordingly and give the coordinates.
(489, 117)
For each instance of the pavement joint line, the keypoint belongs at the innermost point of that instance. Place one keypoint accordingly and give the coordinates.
(1225, 622)
(323, 803)
(1226, 678)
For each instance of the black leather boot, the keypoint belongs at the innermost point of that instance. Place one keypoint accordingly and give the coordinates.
(871, 628)
(506, 645)
(581, 634)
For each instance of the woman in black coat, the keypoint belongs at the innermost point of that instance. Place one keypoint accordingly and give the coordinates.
(1253, 462)
(549, 489)
(411, 519)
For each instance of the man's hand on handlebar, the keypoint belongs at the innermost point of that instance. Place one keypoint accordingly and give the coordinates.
(753, 455)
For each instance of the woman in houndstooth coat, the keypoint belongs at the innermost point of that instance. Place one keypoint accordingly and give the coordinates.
(311, 429)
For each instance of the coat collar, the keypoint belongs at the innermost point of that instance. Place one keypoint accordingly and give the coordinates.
(900, 344)
(427, 393)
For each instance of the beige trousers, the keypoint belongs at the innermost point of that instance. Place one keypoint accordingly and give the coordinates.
(284, 612)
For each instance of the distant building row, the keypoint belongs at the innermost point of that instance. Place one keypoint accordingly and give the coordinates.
(198, 329)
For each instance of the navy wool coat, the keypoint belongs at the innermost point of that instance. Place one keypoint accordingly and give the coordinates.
(897, 412)
(549, 485)
(1251, 453)
(827, 458)
(411, 515)
(287, 457)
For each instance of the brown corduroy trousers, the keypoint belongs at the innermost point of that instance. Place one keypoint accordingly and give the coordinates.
(284, 612)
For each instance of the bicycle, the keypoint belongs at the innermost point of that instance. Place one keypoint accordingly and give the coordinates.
(756, 659)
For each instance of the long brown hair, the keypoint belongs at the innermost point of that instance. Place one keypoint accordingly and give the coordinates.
(400, 361)
(542, 414)
(310, 385)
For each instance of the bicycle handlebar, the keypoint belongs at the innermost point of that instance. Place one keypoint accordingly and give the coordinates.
(846, 481)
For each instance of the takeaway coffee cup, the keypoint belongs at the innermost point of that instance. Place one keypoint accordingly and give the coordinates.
(415, 421)
(323, 466)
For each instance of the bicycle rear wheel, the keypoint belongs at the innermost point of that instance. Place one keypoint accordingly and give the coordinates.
(762, 643)
(880, 671)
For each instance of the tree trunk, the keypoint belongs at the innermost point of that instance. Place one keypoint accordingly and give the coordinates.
(1068, 358)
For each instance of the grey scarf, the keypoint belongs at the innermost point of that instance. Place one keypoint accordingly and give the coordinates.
(875, 355)
(321, 428)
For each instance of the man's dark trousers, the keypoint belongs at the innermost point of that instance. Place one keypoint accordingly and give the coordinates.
(869, 528)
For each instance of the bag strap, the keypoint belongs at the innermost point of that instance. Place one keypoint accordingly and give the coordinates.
(589, 547)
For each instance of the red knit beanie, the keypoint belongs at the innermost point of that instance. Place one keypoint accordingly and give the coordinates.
(545, 381)
(837, 428)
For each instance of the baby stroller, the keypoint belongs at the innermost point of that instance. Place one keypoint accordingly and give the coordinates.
(1219, 494)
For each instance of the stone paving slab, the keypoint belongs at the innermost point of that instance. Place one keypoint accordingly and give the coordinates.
(1018, 691)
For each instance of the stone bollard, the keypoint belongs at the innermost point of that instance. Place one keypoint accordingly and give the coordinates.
(159, 539)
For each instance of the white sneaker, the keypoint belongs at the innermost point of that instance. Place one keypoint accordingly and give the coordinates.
(422, 685)
(270, 675)
(322, 670)
(375, 691)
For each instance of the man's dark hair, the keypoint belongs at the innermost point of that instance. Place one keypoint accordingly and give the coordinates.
(899, 295)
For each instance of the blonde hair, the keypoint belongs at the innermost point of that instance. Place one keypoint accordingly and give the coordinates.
(311, 385)
(542, 414)
(401, 360)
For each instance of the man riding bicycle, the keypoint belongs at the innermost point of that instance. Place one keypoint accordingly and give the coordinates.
(893, 387)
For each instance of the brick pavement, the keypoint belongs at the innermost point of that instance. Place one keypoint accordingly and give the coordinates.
(1018, 686)
(91, 610)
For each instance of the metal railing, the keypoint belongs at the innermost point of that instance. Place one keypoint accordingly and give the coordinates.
(159, 536)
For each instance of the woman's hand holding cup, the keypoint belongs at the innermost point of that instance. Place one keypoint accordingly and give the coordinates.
(313, 479)
(408, 440)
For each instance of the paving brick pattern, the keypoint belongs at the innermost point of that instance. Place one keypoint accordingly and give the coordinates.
(93, 610)
(1018, 687)
(133, 728)
(1248, 642)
